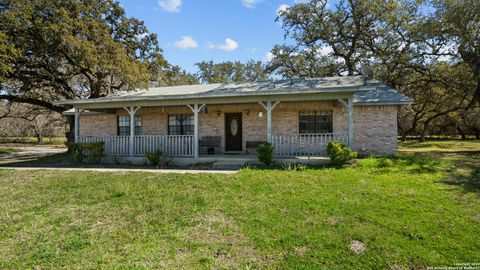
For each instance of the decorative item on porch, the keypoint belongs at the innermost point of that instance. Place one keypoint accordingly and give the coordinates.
(210, 142)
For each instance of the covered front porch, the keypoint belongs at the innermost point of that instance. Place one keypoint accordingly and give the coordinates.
(235, 128)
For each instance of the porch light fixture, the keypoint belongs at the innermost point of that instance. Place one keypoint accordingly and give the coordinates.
(260, 114)
(218, 113)
(247, 112)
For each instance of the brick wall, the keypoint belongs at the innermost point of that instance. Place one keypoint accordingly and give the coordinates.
(375, 127)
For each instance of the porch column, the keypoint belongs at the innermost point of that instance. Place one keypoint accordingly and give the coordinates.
(268, 106)
(349, 106)
(350, 122)
(77, 124)
(132, 110)
(195, 109)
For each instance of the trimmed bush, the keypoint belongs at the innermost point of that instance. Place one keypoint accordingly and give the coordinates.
(339, 153)
(265, 154)
(157, 158)
(93, 151)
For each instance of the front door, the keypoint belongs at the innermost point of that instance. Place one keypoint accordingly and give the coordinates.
(233, 131)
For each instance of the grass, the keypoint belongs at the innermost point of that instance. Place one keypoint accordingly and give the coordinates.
(33, 140)
(8, 150)
(419, 209)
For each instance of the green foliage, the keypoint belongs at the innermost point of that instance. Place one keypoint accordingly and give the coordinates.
(265, 154)
(77, 49)
(339, 153)
(228, 72)
(294, 167)
(9, 150)
(93, 151)
(433, 58)
(157, 158)
(154, 157)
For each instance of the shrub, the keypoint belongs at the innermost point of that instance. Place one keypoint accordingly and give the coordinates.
(339, 153)
(93, 151)
(265, 154)
(294, 167)
(157, 158)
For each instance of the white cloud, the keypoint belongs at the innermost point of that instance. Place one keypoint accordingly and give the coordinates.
(228, 45)
(186, 42)
(282, 8)
(251, 3)
(267, 57)
(326, 50)
(170, 5)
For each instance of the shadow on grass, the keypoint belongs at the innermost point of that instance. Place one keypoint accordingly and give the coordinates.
(465, 172)
(60, 160)
(411, 163)
(64, 160)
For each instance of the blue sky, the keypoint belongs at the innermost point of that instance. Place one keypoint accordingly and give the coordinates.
(191, 31)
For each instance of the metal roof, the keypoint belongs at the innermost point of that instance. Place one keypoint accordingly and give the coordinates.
(355, 84)
(381, 95)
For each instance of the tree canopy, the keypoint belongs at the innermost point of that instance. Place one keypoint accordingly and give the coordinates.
(76, 49)
(227, 72)
(427, 49)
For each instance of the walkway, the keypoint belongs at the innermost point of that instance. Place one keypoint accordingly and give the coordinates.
(179, 171)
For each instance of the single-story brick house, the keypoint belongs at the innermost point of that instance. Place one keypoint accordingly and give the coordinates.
(298, 117)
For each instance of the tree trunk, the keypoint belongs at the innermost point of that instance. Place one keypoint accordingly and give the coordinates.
(462, 134)
(424, 131)
(39, 138)
(477, 133)
(70, 134)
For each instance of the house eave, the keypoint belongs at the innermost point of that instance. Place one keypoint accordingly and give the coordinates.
(383, 103)
(152, 102)
(264, 94)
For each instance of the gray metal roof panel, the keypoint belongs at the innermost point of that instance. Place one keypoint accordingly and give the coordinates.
(381, 95)
(374, 90)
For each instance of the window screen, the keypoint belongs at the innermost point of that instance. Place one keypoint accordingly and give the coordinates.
(180, 124)
(123, 128)
(318, 121)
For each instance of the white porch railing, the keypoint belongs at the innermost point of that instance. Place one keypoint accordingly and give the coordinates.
(114, 145)
(171, 145)
(314, 144)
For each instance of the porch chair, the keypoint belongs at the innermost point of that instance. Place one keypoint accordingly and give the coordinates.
(210, 142)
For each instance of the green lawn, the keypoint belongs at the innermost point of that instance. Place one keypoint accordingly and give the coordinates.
(419, 209)
(8, 150)
(33, 140)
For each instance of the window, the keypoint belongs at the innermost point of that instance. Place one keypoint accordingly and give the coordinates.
(319, 121)
(180, 124)
(123, 127)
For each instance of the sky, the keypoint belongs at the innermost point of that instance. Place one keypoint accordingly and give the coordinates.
(191, 31)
